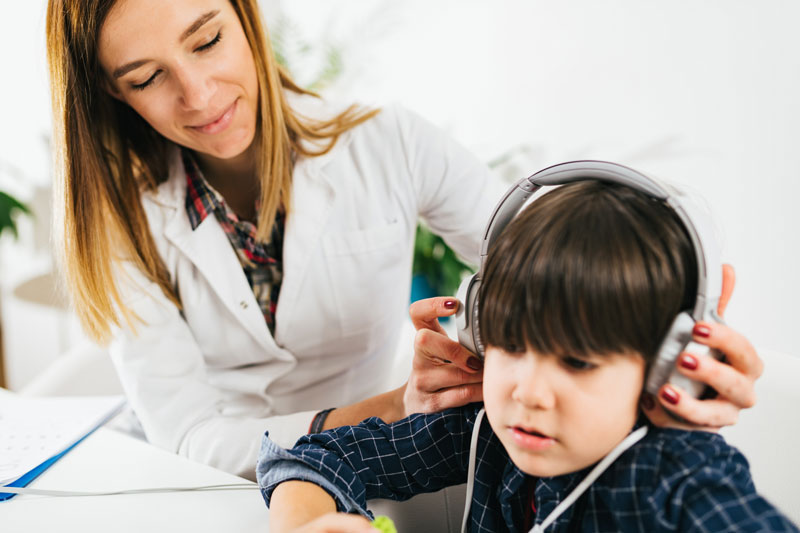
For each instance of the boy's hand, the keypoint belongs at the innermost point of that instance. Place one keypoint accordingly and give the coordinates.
(733, 380)
(444, 373)
(337, 523)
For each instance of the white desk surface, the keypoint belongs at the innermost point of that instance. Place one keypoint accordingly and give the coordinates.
(109, 460)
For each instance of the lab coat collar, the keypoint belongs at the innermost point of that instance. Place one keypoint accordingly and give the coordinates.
(312, 200)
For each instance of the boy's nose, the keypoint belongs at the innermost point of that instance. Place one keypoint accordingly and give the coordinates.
(534, 387)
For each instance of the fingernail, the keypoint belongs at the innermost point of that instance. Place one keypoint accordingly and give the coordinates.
(701, 331)
(648, 402)
(474, 363)
(688, 361)
(669, 395)
(450, 304)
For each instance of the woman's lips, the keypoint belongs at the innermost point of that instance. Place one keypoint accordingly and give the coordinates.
(218, 124)
(530, 439)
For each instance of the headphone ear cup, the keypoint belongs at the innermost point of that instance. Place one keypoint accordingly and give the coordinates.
(467, 315)
(678, 336)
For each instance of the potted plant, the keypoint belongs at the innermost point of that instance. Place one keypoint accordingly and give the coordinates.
(10, 208)
(437, 270)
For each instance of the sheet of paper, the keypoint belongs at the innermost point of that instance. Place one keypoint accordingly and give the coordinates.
(33, 430)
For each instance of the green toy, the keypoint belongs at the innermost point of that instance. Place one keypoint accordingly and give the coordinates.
(384, 524)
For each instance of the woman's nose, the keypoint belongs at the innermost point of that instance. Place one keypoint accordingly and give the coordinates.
(196, 88)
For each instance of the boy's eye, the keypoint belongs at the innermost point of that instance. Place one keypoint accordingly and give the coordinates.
(577, 364)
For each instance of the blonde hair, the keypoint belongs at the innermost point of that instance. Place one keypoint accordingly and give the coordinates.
(107, 155)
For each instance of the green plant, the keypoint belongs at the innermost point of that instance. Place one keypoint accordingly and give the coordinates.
(10, 208)
(438, 263)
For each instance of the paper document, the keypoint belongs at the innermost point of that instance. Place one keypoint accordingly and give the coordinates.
(36, 431)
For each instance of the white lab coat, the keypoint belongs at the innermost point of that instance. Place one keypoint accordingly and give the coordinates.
(208, 380)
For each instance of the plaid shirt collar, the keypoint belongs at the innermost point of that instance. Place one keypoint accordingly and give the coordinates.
(261, 262)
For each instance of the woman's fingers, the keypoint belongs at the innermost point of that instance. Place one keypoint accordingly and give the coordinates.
(442, 399)
(728, 282)
(739, 353)
(729, 383)
(710, 414)
(438, 349)
(425, 313)
(437, 378)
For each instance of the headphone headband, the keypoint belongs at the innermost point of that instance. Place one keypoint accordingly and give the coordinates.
(695, 220)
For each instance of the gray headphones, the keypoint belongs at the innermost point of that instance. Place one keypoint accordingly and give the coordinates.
(696, 222)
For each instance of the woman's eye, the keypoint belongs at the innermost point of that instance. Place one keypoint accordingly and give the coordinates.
(577, 364)
(144, 85)
(209, 44)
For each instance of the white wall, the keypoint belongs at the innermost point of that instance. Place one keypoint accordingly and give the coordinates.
(704, 93)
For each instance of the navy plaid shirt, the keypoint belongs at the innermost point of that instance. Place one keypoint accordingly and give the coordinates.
(672, 480)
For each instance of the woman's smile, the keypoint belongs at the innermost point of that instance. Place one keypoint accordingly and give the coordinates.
(218, 124)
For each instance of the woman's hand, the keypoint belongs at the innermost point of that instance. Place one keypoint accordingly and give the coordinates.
(444, 373)
(733, 380)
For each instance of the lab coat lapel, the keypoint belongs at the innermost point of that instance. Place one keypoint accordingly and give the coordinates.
(312, 200)
(209, 250)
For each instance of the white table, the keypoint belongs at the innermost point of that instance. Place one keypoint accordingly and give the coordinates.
(109, 460)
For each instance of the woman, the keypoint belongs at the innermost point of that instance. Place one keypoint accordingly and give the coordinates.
(246, 249)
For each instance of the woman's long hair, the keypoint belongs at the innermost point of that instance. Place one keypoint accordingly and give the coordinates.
(107, 155)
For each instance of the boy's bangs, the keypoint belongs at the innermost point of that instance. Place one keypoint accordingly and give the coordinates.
(590, 268)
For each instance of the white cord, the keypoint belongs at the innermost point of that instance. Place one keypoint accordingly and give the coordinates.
(601, 467)
(473, 450)
(69, 493)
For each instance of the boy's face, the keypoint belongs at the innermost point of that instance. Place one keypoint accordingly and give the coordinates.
(558, 415)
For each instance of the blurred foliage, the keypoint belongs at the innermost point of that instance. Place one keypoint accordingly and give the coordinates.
(433, 258)
(10, 208)
(291, 49)
(440, 265)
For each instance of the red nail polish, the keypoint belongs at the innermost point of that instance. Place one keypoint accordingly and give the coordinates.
(669, 395)
(701, 331)
(648, 402)
(450, 304)
(688, 361)
(474, 363)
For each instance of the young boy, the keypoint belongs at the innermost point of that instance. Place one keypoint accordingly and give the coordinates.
(577, 293)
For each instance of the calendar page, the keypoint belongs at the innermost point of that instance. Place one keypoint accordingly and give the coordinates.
(32, 430)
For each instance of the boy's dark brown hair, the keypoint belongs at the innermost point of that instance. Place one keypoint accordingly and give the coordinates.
(588, 268)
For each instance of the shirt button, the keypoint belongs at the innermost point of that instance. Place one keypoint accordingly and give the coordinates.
(243, 304)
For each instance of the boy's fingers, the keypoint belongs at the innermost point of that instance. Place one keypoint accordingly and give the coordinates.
(435, 348)
(425, 313)
(740, 354)
(729, 383)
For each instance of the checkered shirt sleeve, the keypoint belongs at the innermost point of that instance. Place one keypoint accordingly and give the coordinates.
(422, 453)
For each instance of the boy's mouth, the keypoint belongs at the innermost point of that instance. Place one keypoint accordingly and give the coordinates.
(531, 438)
(531, 432)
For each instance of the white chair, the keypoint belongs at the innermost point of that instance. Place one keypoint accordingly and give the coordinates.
(768, 433)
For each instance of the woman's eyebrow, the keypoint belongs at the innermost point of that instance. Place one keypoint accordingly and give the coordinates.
(196, 25)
